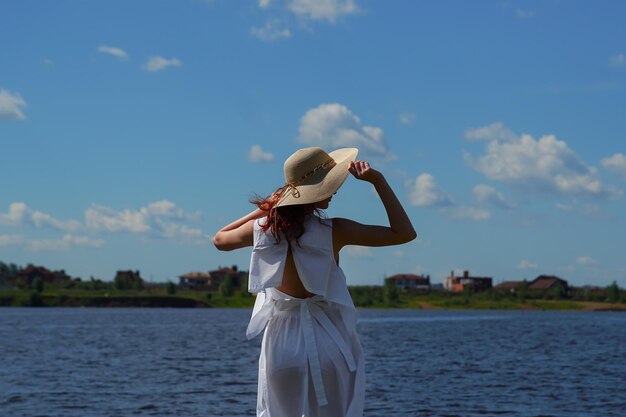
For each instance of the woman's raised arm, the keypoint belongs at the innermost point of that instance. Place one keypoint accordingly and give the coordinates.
(237, 234)
(400, 229)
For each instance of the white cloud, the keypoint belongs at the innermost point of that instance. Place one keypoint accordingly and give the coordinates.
(20, 214)
(169, 209)
(101, 218)
(10, 105)
(10, 240)
(524, 14)
(332, 126)
(159, 219)
(586, 261)
(524, 264)
(170, 230)
(467, 213)
(543, 165)
(158, 63)
(495, 131)
(617, 61)
(616, 164)
(264, 4)
(65, 243)
(423, 192)
(256, 154)
(487, 194)
(15, 215)
(111, 50)
(271, 31)
(328, 10)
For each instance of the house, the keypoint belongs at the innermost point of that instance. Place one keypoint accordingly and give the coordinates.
(211, 280)
(25, 277)
(466, 282)
(547, 282)
(411, 282)
(195, 281)
(510, 286)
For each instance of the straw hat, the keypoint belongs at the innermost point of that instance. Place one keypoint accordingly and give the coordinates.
(312, 175)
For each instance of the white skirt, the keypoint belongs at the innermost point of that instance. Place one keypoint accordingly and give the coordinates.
(310, 365)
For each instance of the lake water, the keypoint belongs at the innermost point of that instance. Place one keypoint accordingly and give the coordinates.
(197, 362)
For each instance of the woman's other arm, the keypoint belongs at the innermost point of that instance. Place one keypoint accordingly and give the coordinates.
(400, 229)
(237, 234)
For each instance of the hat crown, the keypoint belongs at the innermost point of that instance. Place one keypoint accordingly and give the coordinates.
(304, 162)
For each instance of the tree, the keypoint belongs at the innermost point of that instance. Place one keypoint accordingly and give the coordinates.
(38, 284)
(128, 280)
(390, 292)
(170, 288)
(226, 287)
(612, 293)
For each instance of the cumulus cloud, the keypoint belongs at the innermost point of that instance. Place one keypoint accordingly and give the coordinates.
(256, 154)
(586, 261)
(271, 31)
(524, 264)
(616, 164)
(495, 131)
(543, 165)
(617, 61)
(101, 218)
(65, 243)
(166, 208)
(158, 63)
(333, 126)
(323, 10)
(489, 195)
(423, 192)
(20, 214)
(158, 219)
(10, 105)
(111, 50)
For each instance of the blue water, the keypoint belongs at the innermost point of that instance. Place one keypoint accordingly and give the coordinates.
(197, 362)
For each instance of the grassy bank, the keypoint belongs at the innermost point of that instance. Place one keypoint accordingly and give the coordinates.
(363, 297)
(78, 298)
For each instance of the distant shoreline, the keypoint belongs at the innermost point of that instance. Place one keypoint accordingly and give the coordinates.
(196, 299)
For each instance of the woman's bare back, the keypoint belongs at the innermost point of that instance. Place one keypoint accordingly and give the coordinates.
(291, 283)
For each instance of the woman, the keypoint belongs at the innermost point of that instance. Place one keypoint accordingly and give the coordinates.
(311, 361)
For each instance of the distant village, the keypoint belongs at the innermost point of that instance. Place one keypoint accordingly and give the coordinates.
(419, 284)
(33, 276)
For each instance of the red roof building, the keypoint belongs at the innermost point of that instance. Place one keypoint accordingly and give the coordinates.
(411, 282)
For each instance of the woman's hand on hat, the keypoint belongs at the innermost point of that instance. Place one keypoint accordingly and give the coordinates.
(361, 170)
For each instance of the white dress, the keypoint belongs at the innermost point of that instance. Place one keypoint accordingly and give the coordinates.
(311, 361)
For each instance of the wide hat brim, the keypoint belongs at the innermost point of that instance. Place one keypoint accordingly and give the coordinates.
(322, 184)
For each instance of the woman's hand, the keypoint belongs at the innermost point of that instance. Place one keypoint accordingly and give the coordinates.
(361, 170)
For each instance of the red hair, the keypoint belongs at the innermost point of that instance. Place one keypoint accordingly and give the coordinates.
(287, 221)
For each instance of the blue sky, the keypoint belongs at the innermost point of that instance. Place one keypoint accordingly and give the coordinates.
(132, 131)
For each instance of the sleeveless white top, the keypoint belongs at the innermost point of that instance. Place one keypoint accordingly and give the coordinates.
(315, 263)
